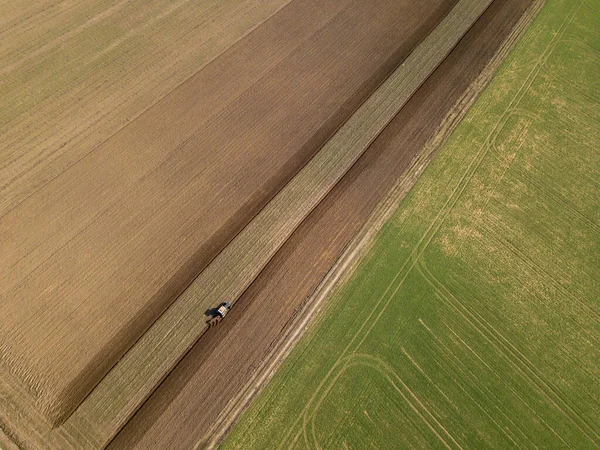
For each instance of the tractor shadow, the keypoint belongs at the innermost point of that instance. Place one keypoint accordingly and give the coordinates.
(211, 312)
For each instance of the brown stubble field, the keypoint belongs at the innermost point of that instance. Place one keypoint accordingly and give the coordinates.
(122, 221)
(188, 403)
(74, 73)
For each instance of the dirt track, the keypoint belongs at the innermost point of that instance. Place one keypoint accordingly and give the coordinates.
(147, 210)
(187, 403)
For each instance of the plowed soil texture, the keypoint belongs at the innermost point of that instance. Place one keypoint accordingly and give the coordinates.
(138, 373)
(92, 258)
(73, 74)
(182, 410)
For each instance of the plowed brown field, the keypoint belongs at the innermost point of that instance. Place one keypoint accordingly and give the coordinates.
(142, 214)
(72, 74)
(188, 402)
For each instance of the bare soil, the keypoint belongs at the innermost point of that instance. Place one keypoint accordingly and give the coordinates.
(73, 74)
(140, 216)
(183, 409)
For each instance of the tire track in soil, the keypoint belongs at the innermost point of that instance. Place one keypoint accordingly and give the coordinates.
(511, 355)
(388, 372)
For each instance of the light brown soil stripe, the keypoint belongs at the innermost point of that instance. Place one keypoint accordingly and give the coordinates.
(125, 388)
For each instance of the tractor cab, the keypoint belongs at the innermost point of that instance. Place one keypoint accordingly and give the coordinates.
(223, 309)
(221, 312)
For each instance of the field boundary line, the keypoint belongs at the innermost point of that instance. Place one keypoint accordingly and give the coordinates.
(416, 168)
(423, 243)
(239, 404)
(369, 317)
(343, 267)
(464, 181)
(234, 269)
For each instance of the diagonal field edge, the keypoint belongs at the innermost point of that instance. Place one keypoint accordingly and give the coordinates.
(131, 381)
(116, 398)
(356, 250)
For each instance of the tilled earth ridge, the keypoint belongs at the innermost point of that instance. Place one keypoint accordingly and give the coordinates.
(184, 407)
(148, 209)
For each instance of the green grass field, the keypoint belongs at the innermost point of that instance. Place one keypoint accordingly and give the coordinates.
(474, 320)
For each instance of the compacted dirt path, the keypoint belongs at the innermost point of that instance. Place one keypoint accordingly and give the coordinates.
(140, 216)
(187, 404)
